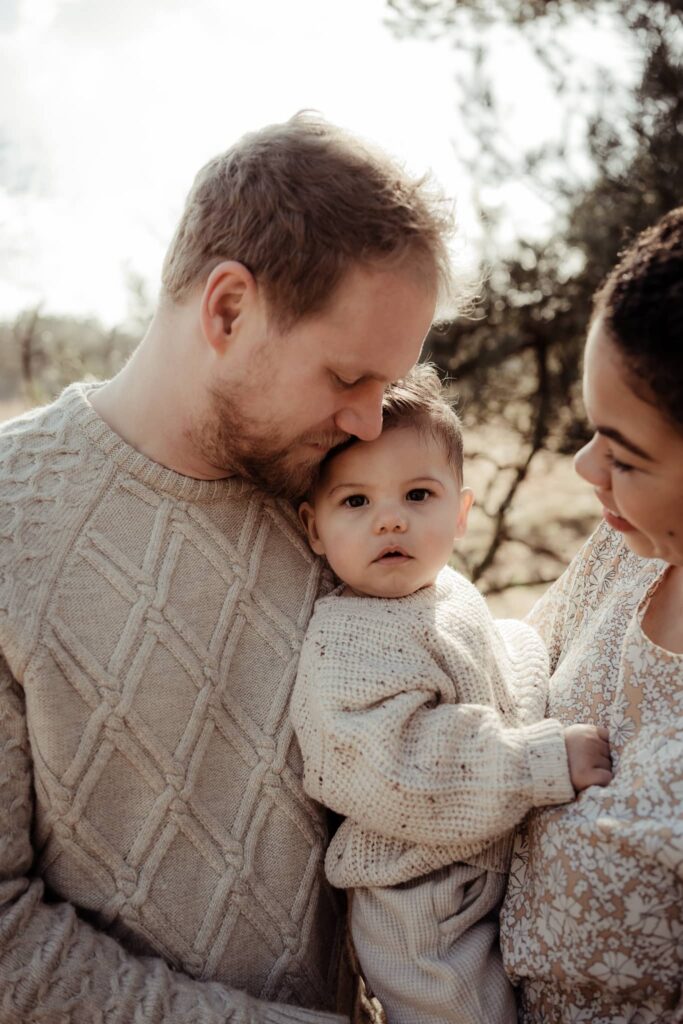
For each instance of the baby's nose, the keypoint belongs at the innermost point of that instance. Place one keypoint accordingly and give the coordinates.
(391, 520)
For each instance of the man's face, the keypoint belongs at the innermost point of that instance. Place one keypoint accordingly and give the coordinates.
(286, 398)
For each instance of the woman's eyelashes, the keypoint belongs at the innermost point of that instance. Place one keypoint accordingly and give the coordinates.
(617, 464)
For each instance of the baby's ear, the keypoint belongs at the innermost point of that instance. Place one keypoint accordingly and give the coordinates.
(466, 502)
(307, 517)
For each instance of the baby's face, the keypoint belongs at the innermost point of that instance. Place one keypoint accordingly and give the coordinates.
(387, 512)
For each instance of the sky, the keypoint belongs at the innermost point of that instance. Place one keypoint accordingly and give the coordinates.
(109, 107)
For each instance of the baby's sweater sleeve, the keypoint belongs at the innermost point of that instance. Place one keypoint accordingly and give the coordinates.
(386, 743)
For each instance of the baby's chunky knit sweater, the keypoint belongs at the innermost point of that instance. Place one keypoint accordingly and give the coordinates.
(420, 721)
(159, 860)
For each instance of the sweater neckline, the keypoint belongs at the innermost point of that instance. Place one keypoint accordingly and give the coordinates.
(75, 402)
(439, 590)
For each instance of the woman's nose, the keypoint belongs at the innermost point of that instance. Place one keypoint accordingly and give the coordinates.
(590, 463)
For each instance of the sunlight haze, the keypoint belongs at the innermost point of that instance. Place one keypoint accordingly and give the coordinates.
(111, 108)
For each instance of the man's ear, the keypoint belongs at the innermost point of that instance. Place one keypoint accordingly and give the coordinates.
(466, 502)
(307, 517)
(228, 292)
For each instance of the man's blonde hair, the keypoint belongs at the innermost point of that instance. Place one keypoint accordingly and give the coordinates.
(298, 204)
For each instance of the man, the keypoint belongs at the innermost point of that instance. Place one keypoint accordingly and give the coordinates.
(159, 860)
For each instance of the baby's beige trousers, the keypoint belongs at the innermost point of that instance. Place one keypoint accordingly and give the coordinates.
(429, 948)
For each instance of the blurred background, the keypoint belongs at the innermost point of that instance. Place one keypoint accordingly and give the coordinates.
(555, 125)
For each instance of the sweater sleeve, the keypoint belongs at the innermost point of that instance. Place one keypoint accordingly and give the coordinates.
(383, 749)
(56, 967)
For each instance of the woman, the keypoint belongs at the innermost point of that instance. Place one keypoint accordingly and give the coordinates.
(592, 926)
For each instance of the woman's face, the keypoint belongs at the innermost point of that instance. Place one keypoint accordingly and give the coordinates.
(635, 459)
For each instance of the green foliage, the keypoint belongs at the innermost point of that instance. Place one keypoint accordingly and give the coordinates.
(519, 364)
(40, 355)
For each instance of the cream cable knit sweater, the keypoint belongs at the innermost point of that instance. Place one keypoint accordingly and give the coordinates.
(419, 722)
(159, 860)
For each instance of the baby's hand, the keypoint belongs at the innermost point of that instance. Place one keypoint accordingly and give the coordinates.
(588, 756)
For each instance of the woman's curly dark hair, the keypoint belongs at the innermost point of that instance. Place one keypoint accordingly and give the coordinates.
(641, 303)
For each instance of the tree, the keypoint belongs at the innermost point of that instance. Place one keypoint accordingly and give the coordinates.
(519, 362)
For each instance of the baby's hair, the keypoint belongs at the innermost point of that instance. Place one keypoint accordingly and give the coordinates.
(418, 402)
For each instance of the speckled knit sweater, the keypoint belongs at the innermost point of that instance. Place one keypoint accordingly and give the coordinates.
(159, 859)
(419, 721)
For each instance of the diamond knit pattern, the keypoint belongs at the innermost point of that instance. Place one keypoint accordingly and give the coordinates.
(150, 627)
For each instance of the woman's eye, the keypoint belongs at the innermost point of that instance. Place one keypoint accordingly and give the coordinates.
(355, 501)
(620, 467)
(418, 494)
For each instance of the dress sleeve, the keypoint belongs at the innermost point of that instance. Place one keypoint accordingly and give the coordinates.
(593, 918)
(55, 966)
(554, 616)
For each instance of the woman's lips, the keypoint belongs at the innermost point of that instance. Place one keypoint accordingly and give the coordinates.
(615, 521)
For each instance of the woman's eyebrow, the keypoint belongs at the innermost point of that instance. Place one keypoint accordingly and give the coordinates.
(615, 435)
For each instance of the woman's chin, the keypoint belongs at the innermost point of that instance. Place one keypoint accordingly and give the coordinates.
(616, 522)
(645, 548)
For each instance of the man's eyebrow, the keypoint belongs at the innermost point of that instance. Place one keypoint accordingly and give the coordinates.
(616, 435)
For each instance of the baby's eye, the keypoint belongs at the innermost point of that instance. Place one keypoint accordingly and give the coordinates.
(418, 494)
(355, 501)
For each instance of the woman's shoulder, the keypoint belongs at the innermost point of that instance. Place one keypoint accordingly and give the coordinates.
(605, 572)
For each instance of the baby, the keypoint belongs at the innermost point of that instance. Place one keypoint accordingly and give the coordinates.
(420, 720)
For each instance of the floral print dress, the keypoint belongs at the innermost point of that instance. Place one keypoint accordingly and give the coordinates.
(592, 925)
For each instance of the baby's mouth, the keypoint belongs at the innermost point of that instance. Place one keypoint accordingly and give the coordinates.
(392, 554)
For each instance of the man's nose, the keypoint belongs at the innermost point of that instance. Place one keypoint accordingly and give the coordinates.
(590, 463)
(362, 415)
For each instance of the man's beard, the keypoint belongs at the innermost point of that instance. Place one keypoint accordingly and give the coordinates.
(229, 440)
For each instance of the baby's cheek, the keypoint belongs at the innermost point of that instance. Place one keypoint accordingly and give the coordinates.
(348, 560)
